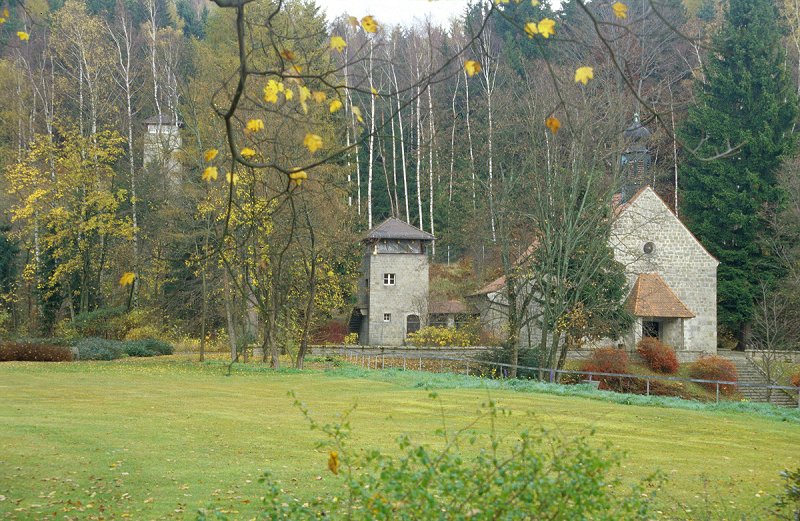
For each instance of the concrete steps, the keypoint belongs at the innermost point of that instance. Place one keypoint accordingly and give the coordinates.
(749, 373)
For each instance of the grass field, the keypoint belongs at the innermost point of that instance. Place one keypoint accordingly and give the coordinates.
(150, 439)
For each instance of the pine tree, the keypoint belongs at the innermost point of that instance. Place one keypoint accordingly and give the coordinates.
(747, 104)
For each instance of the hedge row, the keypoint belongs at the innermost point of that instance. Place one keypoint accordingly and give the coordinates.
(104, 349)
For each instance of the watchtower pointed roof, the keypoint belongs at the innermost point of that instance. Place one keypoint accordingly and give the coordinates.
(393, 228)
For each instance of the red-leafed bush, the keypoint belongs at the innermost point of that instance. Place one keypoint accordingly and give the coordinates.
(609, 360)
(796, 380)
(715, 368)
(21, 352)
(331, 332)
(657, 355)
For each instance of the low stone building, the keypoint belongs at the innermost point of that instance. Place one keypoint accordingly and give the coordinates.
(393, 288)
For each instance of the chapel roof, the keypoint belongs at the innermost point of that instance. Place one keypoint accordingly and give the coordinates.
(652, 297)
(493, 287)
(393, 228)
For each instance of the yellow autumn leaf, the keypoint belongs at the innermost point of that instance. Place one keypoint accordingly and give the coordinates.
(298, 176)
(5, 12)
(335, 105)
(288, 55)
(553, 124)
(338, 43)
(620, 10)
(254, 125)
(247, 153)
(369, 24)
(288, 94)
(333, 462)
(353, 21)
(584, 74)
(472, 67)
(357, 114)
(534, 3)
(374, 92)
(127, 278)
(23, 36)
(210, 154)
(304, 95)
(271, 92)
(2, 20)
(232, 178)
(547, 27)
(312, 142)
(210, 174)
(319, 96)
(531, 30)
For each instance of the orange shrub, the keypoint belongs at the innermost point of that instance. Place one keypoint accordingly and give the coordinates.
(608, 360)
(657, 355)
(796, 380)
(715, 368)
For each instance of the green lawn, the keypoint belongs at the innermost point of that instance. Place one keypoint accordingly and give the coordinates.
(159, 439)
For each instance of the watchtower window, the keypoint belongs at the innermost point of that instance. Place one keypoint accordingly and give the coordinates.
(387, 317)
(388, 279)
(398, 246)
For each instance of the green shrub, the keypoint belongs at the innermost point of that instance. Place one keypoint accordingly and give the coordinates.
(146, 347)
(438, 336)
(715, 368)
(99, 349)
(34, 352)
(113, 323)
(657, 355)
(539, 476)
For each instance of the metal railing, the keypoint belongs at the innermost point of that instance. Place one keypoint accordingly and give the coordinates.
(415, 361)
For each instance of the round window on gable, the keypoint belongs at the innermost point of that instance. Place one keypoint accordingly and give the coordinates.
(649, 247)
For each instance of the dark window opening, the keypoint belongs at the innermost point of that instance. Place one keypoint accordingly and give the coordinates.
(412, 324)
(651, 329)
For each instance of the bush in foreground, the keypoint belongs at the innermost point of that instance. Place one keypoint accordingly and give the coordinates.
(540, 476)
(657, 355)
(715, 368)
(34, 352)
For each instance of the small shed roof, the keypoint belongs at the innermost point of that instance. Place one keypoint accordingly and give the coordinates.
(493, 287)
(393, 228)
(652, 297)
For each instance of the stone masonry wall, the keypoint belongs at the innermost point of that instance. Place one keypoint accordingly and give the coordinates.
(678, 258)
(408, 296)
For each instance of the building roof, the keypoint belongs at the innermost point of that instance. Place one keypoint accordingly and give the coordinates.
(449, 307)
(652, 297)
(493, 287)
(393, 228)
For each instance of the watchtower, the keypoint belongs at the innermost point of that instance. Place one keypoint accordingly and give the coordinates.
(162, 141)
(393, 288)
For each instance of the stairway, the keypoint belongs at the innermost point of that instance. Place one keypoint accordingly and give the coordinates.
(749, 373)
